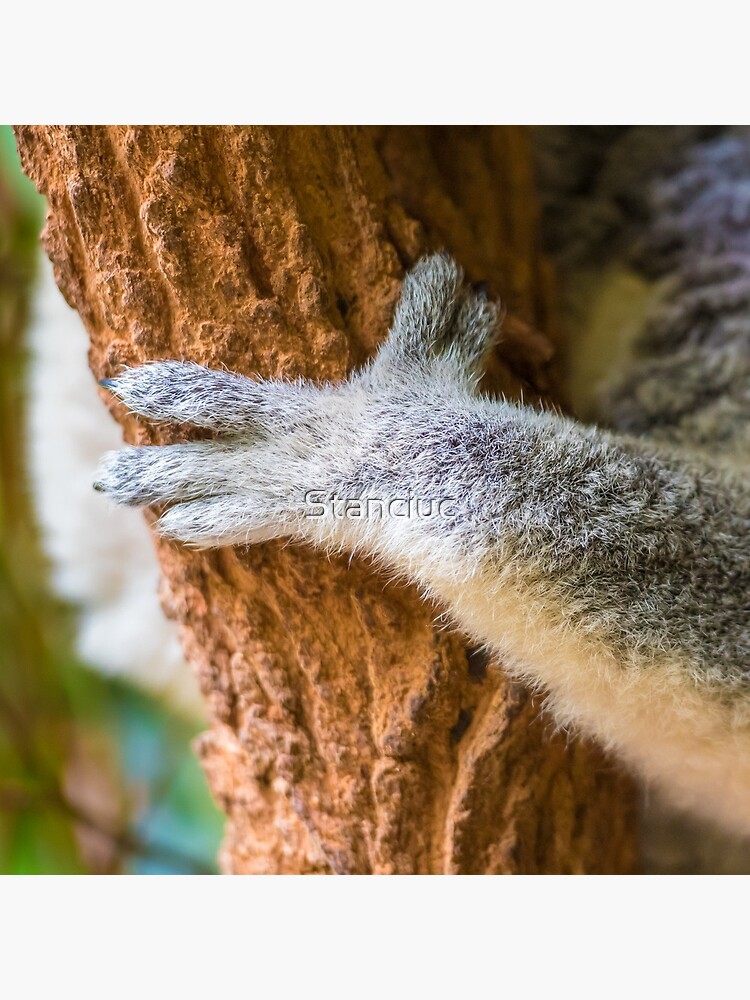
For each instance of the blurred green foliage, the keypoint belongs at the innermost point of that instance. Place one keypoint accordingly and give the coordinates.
(95, 776)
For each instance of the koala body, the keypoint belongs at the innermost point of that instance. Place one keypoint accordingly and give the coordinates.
(608, 567)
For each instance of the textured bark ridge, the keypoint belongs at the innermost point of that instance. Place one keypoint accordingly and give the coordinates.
(351, 732)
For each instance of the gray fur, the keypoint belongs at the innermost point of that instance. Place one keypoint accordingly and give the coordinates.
(637, 535)
(632, 536)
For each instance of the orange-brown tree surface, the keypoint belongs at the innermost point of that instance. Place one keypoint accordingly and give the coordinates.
(352, 731)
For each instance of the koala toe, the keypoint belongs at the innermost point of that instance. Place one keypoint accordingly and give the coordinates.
(438, 319)
(222, 520)
(425, 311)
(473, 334)
(141, 476)
(184, 392)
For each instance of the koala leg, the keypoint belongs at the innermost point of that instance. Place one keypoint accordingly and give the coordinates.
(610, 574)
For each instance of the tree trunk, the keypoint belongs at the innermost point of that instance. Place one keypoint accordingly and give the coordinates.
(351, 732)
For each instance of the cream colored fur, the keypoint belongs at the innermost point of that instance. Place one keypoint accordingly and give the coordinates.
(102, 557)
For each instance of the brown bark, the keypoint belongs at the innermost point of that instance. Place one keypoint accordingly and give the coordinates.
(350, 733)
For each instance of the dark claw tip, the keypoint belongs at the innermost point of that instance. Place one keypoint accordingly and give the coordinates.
(108, 383)
(99, 487)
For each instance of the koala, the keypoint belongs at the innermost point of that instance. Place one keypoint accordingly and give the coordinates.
(607, 566)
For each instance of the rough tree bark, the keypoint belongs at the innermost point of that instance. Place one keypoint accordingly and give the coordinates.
(351, 733)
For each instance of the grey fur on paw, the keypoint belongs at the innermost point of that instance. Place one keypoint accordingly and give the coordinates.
(280, 438)
(439, 322)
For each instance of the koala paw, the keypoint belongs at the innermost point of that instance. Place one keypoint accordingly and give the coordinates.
(282, 440)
